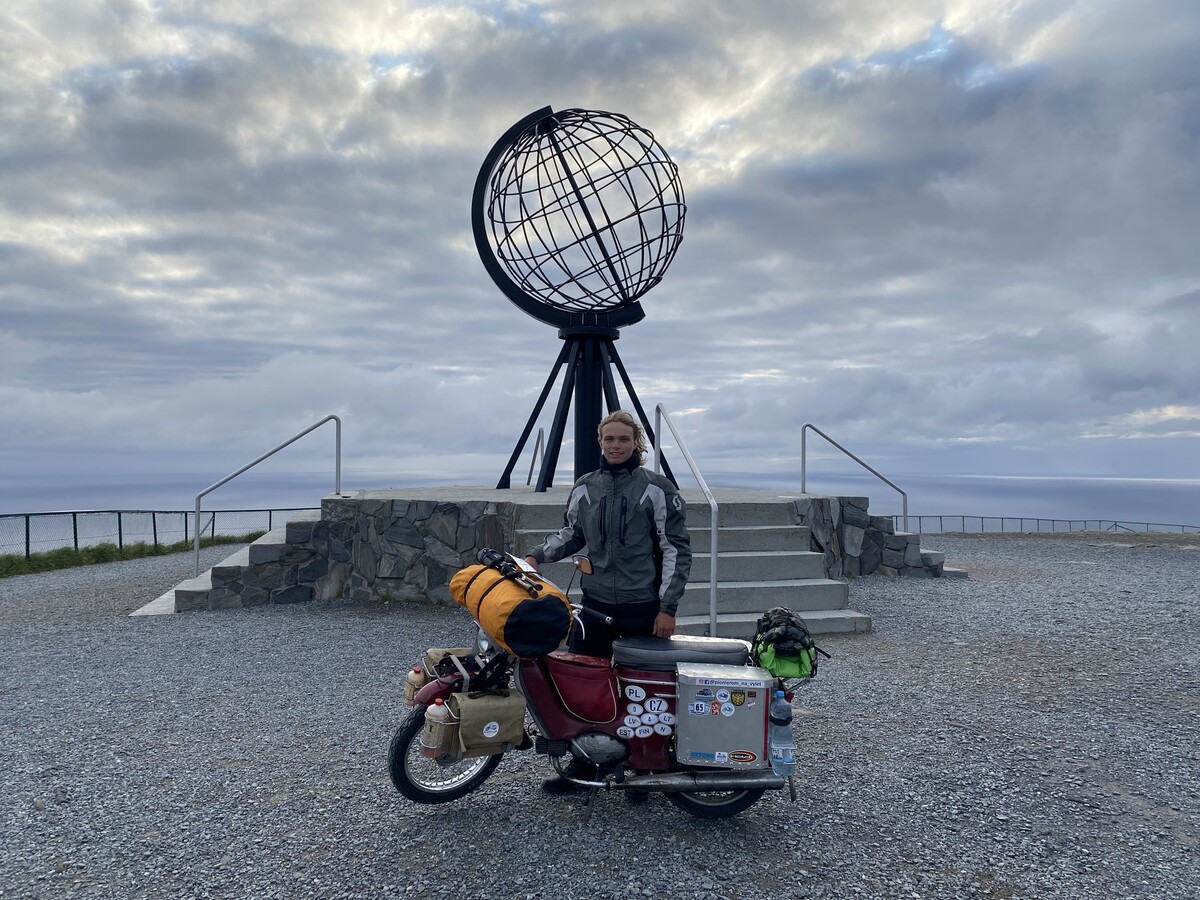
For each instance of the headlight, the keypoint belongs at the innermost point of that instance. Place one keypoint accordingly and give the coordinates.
(483, 642)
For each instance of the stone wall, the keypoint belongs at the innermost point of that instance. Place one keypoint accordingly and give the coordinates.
(856, 543)
(404, 549)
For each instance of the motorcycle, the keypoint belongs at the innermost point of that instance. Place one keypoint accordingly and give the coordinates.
(684, 716)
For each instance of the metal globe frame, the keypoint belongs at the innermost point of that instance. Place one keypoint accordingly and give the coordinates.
(576, 215)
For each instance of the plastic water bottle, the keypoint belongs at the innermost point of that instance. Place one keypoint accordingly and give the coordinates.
(413, 682)
(434, 739)
(779, 736)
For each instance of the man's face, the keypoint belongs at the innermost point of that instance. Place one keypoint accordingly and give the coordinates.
(616, 443)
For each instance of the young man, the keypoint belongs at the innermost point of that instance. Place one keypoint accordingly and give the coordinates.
(632, 523)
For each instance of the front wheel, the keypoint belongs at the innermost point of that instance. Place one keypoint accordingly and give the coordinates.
(428, 780)
(714, 804)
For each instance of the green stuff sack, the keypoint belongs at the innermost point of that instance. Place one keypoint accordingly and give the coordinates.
(783, 646)
(525, 623)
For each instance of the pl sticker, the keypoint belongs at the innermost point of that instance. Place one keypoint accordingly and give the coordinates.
(633, 721)
(625, 732)
(635, 693)
(723, 695)
(656, 705)
(634, 709)
(728, 709)
(662, 728)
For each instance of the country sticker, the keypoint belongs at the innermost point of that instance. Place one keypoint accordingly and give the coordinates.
(643, 731)
(667, 718)
(633, 721)
(656, 705)
(634, 709)
(635, 693)
(663, 729)
(625, 732)
(649, 719)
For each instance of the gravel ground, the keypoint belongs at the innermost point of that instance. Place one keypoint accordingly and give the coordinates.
(1030, 732)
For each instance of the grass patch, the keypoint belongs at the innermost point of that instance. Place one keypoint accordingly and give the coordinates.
(68, 557)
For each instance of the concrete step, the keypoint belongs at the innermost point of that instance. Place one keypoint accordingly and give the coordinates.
(741, 538)
(775, 565)
(757, 597)
(742, 625)
(548, 516)
(770, 565)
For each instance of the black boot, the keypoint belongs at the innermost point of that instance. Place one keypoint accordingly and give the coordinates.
(556, 784)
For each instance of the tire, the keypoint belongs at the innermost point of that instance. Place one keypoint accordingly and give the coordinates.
(427, 780)
(714, 804)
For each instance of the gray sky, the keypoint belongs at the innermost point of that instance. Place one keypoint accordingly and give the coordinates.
(959, 236)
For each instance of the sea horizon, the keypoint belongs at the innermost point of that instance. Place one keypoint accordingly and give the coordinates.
(1159, 501)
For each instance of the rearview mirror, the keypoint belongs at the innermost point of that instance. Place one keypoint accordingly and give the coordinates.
(583, 564)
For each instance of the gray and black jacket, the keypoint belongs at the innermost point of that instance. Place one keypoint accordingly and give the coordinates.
(632, 523)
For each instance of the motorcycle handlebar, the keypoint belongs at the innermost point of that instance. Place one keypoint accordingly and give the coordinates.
(583, 610)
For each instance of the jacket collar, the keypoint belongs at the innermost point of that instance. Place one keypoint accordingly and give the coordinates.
(630, 466)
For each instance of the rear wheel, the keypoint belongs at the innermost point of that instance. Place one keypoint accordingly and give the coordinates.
(428, 780)
(714, 804)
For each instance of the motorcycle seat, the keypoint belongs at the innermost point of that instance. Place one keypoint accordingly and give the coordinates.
(661, 654)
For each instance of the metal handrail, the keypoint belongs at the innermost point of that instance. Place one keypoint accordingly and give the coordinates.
(661, 414)
(337, 472)
(804, 466)
(538, 448)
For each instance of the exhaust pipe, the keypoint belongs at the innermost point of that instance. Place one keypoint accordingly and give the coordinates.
(703, 781)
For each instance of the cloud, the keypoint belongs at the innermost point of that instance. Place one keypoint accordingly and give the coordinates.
(929, 227)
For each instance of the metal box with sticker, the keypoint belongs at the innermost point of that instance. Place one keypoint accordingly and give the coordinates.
(721, 716)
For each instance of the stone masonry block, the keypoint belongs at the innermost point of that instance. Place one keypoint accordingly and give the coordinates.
(852, 537)
(297, 593)
(300, 532)
(261, 554)
(443, 525)
(406, 533)
(420, 510)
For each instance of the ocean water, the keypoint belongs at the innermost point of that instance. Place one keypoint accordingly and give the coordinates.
(1165, 504)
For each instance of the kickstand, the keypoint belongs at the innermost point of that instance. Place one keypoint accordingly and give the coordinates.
(589, 804)
(792, 787)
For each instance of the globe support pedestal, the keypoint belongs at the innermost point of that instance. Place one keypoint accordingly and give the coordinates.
(589, 354)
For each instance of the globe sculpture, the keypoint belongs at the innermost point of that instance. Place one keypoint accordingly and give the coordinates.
(576, 215)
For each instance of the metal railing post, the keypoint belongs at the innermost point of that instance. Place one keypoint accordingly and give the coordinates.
(660, 414)
(75, 530)
(154, 527)
(804, 466)
(120, 532)
(27, 544)
(337, 478)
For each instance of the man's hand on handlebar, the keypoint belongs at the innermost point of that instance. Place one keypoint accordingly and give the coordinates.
(531, 562)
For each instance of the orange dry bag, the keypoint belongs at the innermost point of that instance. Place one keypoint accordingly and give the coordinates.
(527, 624)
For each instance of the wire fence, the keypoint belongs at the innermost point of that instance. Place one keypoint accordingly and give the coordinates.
(999, 524)
(28, 533)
